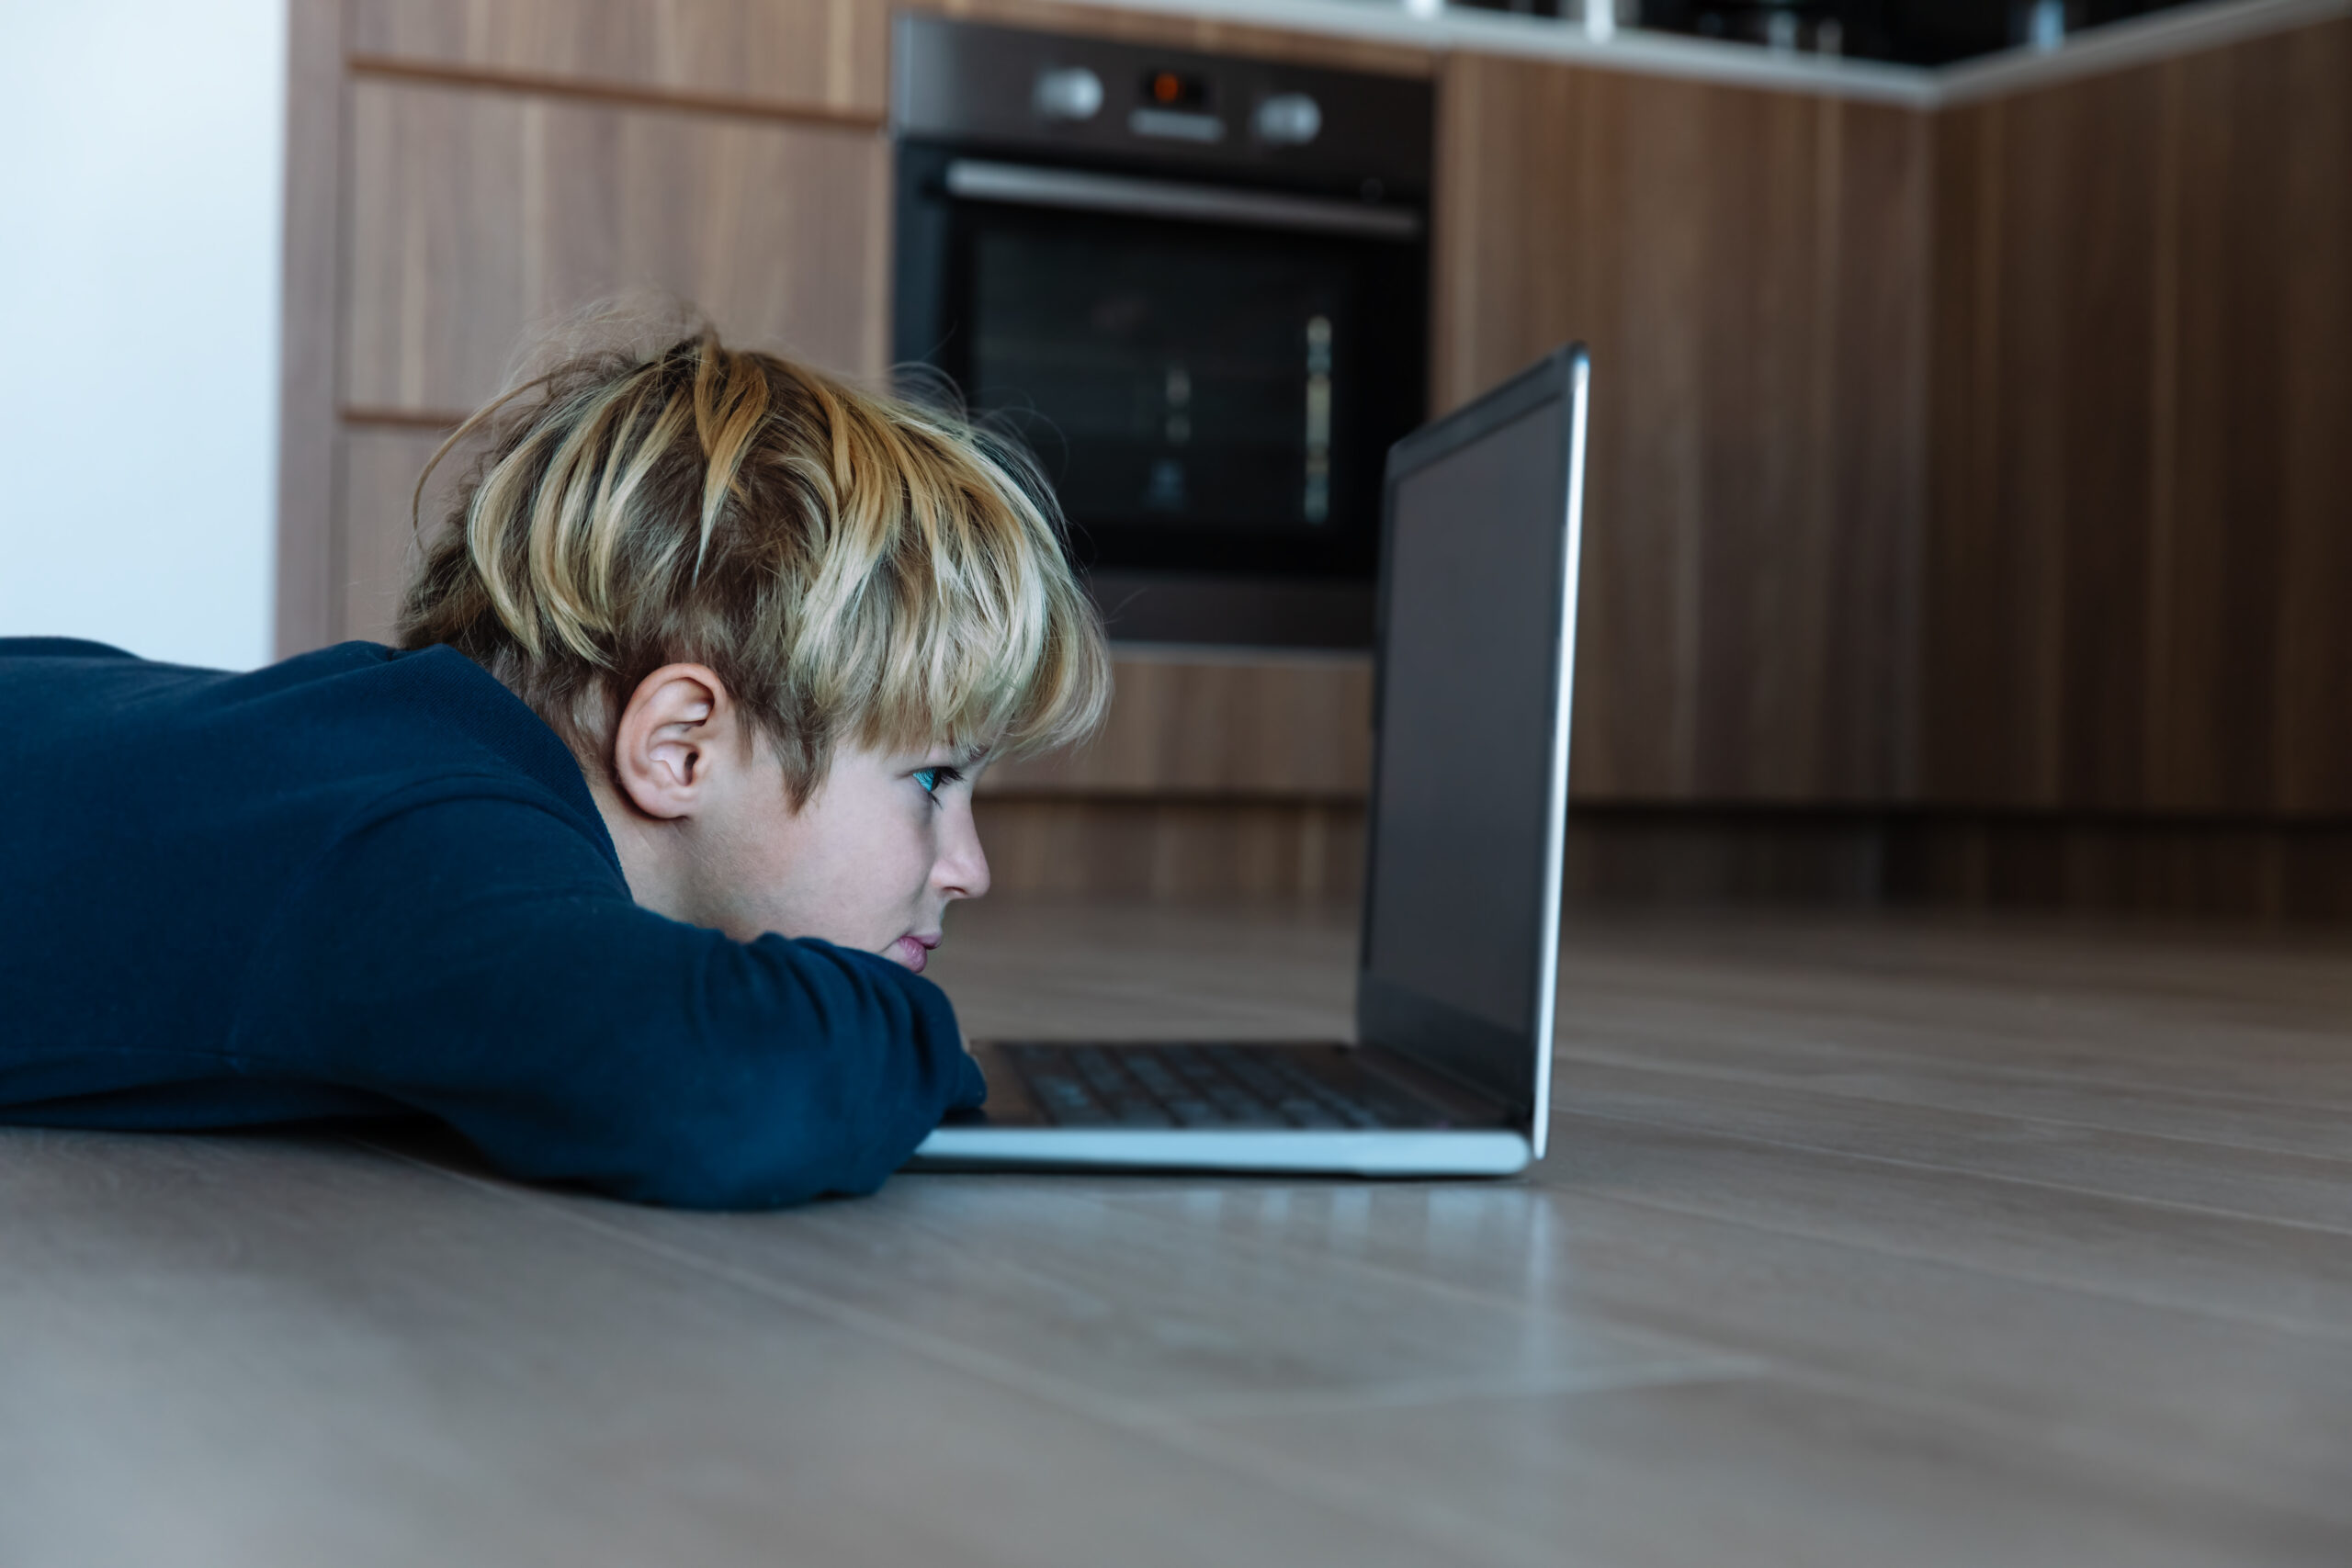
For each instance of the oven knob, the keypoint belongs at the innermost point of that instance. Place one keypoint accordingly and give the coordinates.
(1289, 119)
(1070, 93)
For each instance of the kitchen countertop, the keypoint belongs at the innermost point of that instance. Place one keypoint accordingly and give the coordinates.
(2181, 30)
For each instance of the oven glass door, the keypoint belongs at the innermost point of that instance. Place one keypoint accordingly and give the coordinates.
(1204, 396)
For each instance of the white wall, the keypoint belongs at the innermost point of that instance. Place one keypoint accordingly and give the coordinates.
(142, 170)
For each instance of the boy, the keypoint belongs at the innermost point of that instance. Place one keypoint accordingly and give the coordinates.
(626, 864)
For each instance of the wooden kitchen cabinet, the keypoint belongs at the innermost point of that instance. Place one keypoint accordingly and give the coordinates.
(816, 58)
(1746, 267)
(490, 166)
(465, 174)
(1216, 773)
(2139, 557)
(1991, 458)
(1205, 724)
(502, 162)
(478, 218)
(374, 545)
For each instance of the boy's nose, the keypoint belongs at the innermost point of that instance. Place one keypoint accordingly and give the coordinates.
(962, 869)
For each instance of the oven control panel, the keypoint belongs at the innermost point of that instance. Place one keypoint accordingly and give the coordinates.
(1095, 99)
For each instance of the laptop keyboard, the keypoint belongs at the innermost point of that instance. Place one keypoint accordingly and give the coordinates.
(1212, 1086)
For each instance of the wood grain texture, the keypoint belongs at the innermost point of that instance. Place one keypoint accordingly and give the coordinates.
(1174, 849)
(1215, 776)
(2261, 678)
(1201, 726)
(311, 284)
(2253, 870)
(785, 54)
(2044, 363)
(2046, 515)
(2255, 873)
(377, 540)
(2142, 440)
(301, 1354)
(478, 218)
(2311, 755)
(2293, 870)
(1862, 1242)
(1622, 856)
(1743, 264)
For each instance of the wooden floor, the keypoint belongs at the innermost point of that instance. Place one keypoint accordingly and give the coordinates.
(1893, 1244)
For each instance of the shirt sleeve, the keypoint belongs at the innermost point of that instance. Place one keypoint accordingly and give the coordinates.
(480, 960)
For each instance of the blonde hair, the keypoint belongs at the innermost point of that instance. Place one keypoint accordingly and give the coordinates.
(852, 566)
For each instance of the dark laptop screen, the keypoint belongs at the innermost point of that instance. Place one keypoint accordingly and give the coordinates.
(1457, 923)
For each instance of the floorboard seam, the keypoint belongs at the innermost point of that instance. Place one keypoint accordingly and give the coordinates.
(1694, 1348)
(1429, 1394)
(2024, 1074)
(1445, 1526)
(2319, 1333)
(1767, 1080)
(1735, 1363)
(1896, 1397)
(2177, 1205)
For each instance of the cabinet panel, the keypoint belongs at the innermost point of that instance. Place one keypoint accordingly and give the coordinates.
(478, 218)
(375, 543)
(2253, 625)
(830, 54)
(1744, 265)
(1172, 849)
(2037, 575)
(1285, 728)
(2141, 534)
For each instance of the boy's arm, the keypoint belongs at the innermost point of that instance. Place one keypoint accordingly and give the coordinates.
(479, 959)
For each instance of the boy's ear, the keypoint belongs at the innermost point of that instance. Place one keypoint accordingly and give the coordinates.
(675, 732)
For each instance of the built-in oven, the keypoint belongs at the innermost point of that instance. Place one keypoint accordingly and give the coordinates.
(1196, 286)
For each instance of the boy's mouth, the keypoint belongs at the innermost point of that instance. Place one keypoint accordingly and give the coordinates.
(914, 951)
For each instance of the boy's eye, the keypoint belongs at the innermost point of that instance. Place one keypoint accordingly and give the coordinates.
(929, 779)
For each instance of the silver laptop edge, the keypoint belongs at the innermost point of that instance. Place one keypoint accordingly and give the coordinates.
(1547, 955)
(1467, 1151)
(1470, 1151)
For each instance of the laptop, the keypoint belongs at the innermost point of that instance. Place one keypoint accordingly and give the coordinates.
(1450, 1071)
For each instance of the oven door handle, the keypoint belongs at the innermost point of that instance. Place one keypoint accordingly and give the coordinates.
(1023, 185)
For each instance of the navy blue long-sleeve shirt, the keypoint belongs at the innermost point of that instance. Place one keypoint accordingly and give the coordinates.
(363, 882)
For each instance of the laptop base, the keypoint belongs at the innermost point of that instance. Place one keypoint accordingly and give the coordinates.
(1299, 1107)
(1492, 1151)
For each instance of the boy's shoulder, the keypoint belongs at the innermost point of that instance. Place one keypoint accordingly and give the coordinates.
(59, 648)
(352, 719)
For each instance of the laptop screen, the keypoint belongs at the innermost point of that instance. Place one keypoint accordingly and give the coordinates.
(1477, 602)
